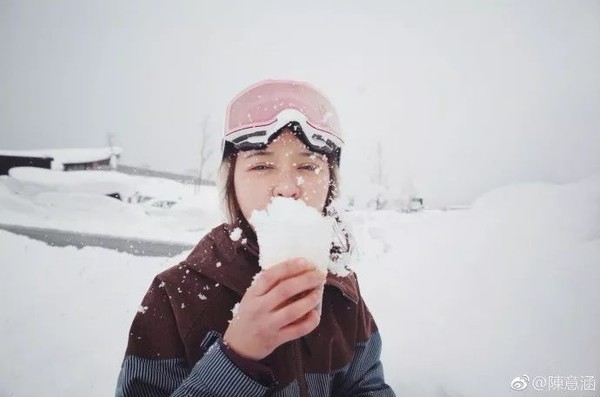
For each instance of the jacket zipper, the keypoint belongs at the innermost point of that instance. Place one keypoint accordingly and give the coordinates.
(300, 367)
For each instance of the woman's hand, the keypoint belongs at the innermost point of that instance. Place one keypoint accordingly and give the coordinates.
(271, 313)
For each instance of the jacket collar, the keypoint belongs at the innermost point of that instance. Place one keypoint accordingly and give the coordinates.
(217, 251)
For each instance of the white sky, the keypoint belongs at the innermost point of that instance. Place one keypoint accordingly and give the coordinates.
(466, 96)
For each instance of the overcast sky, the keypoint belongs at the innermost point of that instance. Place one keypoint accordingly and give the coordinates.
(465, 95)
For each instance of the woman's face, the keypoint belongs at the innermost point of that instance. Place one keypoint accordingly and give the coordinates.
(286, 168)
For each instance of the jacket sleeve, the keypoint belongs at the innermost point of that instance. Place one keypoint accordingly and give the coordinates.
(364, 375)
(155, 362)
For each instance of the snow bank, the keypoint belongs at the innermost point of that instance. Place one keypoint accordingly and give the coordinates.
(468, 300)
(77, 201)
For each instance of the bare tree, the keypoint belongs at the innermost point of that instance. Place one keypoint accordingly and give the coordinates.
(206, 149)
(380, 201)
(110, 137)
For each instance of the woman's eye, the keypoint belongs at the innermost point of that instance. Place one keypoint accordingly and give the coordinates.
(309, 167)
(261, 167)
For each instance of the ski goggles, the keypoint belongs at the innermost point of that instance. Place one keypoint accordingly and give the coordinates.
(256, 115)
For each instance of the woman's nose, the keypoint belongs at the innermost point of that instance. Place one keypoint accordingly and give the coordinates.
(286, 186)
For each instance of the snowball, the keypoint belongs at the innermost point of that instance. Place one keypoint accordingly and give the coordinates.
(289, 228)
(235, 234)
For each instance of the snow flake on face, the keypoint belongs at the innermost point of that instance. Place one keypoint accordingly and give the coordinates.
(235, 234)
(162, 284)
(300, 180)
(202, 297)
(142, 309)
(218, 264)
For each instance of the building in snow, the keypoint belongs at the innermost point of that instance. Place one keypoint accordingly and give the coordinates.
(61, 159)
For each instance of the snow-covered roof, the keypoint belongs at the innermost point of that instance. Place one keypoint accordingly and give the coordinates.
(67, 156)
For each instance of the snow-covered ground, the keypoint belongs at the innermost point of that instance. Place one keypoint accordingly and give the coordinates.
(77, 201)
(465, 300)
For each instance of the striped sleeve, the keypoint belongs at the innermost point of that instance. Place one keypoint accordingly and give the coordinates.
(364, 375)
(213, 375)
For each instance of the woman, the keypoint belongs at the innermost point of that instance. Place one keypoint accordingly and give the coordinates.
(282, 139)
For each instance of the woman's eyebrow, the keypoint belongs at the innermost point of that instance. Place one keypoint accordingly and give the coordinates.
(310, 154)
(258, 153)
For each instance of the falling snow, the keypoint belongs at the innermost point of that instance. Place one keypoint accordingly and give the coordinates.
(235, 234)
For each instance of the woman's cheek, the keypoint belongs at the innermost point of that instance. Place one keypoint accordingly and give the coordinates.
(315, 191)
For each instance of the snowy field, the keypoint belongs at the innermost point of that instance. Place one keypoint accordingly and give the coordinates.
(465, 300)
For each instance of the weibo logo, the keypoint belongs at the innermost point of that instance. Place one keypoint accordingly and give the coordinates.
(519, 383)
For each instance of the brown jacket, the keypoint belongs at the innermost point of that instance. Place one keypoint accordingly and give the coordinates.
(174, 344)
